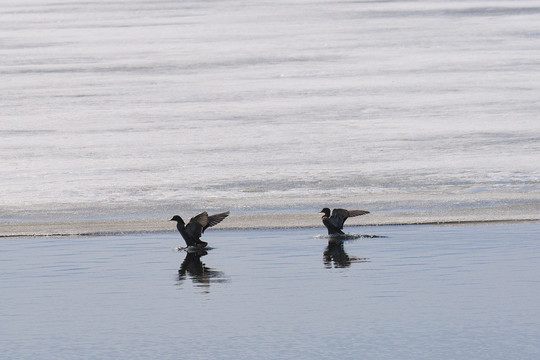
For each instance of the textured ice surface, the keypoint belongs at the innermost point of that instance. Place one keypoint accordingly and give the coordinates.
(142, 110)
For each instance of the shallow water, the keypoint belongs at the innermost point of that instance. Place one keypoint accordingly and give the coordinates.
(419, 292)
(115, 109)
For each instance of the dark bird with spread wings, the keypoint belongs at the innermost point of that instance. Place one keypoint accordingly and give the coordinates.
(195, 227)
(334, 223)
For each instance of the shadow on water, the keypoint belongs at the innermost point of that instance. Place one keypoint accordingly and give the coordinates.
(201, 275)
(334, 255)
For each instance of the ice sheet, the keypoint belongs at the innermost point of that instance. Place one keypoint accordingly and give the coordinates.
(141, 110)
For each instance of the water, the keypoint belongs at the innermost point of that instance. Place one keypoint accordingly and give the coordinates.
(142, 109)
(419, 292)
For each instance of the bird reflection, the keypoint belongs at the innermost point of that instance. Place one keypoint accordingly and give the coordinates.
(201, 275)
(335, 256)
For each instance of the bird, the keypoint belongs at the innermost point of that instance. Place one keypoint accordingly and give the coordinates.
(334, 223)
(194, 229)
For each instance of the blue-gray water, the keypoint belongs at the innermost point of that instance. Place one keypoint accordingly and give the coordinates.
(419, 292)
(149, 108)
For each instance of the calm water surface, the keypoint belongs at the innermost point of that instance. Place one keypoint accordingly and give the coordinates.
(419, 292)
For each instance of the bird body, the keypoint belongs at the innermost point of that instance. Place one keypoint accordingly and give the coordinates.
(193, 230)
(334, 223)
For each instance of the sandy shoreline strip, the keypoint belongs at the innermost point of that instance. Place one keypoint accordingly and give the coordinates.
(259, 221)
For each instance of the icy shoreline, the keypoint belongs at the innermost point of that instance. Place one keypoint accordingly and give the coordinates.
(260, 221)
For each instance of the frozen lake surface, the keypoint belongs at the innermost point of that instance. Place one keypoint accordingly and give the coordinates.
(115, 109)
(419, 292)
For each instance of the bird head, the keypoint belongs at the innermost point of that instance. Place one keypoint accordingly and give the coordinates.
(177, 219)
(326, 211)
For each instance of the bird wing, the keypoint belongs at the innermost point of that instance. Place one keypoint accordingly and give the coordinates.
(338, 217)
(215, 219)
(197, 224)
(353, 213)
